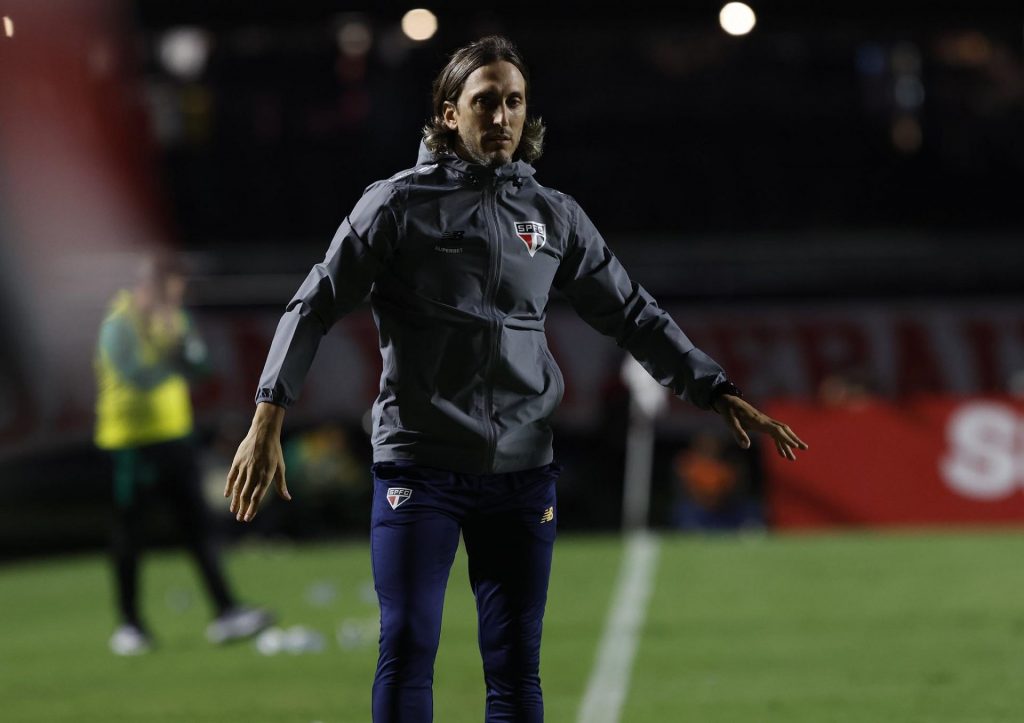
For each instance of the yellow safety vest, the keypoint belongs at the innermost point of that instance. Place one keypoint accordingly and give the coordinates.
(128, 415)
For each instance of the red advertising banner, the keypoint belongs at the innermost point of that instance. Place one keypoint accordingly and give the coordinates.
(930, 460)
(769, 350)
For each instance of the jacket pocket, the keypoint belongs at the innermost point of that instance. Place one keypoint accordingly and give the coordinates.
(556, 373)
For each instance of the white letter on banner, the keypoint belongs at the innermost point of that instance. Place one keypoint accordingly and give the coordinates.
(981, 465)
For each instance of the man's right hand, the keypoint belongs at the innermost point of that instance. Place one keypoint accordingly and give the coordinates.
(258, 462)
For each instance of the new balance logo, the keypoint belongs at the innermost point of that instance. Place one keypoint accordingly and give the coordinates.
(398, 495)
(548, 516)
(450, 248)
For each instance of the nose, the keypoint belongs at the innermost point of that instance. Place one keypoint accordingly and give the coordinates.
(501, 115)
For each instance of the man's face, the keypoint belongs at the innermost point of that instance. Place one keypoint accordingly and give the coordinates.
(489, 114)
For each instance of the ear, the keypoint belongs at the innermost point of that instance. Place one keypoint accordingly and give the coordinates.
(450, 116)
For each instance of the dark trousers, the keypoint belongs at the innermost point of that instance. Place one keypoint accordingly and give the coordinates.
(508, 524)
(167, 472)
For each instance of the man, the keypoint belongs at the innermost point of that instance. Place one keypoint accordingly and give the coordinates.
(147, 347)
(459, 255)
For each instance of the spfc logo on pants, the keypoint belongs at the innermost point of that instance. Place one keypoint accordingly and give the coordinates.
(398, 495)
(532, 233)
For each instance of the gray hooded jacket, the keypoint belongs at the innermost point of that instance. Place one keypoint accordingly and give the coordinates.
(459, 260)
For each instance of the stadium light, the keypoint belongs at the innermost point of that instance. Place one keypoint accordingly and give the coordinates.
(737, 18)
(8, 27)
(183, 51)
(419, 24)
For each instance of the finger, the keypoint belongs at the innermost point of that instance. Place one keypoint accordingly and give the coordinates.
(245, 496)
(783, 430)
(234, 493)
(795, 439)
(778, 430)
(232, 473)
(236, 488)
(236, 496)
(257, 498)
(737, 430)
(282, 484)
(784, 451)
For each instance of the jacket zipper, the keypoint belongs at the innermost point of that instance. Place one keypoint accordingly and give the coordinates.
(490, 291)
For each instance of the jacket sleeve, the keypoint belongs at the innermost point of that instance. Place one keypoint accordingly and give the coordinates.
(602, 293)
(362, 246)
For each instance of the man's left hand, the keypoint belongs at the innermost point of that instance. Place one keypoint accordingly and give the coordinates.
(741, 416)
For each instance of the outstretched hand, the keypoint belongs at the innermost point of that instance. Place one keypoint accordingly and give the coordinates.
(258, 463)
(741, 417)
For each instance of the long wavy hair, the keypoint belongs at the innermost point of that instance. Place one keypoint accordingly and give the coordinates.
(448, 87)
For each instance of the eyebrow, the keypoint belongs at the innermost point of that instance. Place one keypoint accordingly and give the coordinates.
(493, 91)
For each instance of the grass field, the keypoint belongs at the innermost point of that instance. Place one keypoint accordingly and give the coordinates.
(875, 628)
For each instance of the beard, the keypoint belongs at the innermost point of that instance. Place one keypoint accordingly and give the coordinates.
(474, 153)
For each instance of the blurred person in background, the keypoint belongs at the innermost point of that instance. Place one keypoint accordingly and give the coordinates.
(460, 254)
(712, 490)
(148, 349)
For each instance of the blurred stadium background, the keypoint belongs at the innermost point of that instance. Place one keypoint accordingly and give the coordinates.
(829, 204)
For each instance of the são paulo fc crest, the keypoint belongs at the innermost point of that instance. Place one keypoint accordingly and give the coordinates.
(398, 495)
(532, 234)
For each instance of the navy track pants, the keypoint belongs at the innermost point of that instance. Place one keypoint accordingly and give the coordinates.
(508, 524)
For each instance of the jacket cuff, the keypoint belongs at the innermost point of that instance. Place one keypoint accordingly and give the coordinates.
(274, 396)
(722, 388)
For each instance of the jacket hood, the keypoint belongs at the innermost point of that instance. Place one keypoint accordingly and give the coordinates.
(514, 170)
(425, 155)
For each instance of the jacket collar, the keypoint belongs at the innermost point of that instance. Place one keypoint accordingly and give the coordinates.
(515, 171)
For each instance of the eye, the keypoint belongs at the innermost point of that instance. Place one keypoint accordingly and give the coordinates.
(484, 101)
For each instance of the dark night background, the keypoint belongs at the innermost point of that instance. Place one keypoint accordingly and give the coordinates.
(903, 119)
(861, 158)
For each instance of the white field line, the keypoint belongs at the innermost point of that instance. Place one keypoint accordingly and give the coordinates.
(609, 680)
